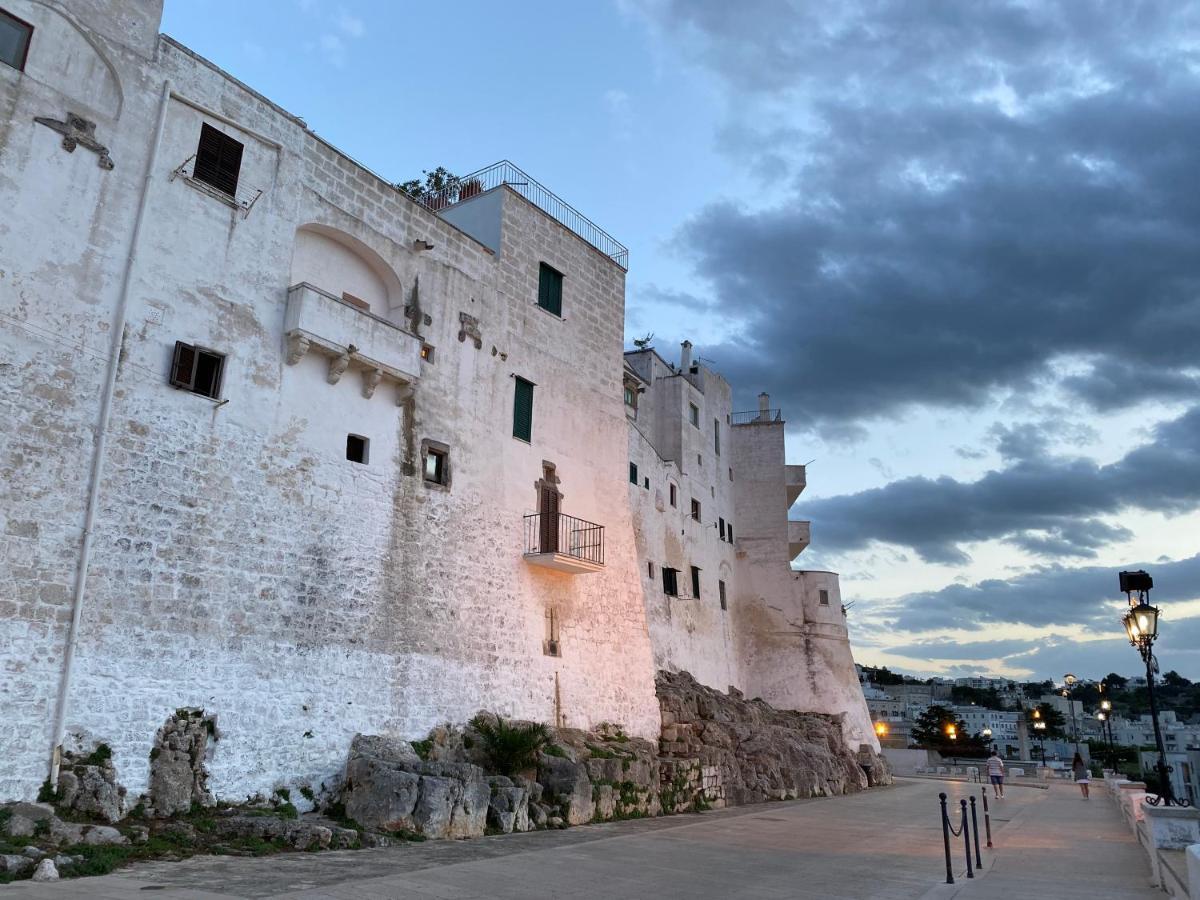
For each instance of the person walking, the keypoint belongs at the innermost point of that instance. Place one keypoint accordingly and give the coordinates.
(995, 770)
(1082, 774)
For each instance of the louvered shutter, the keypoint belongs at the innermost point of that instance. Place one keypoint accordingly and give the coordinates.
(183, 366)
(218, 160)
(523, 410)
(548, 529)
(550, 289)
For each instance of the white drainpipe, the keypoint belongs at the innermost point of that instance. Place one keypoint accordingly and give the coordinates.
(93, 500)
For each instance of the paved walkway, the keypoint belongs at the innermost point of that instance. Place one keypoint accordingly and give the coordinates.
(883, 845)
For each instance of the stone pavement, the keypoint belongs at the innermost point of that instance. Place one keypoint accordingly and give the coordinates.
(881, 845)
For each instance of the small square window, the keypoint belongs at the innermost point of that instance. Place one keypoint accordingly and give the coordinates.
(14, 40)
(436, 465)
(694, 415)
(358, 448)
(550, 283)
(721, 592)
(670, 581)
(646, 482)
(824, 597)
(197, 370)
(699, 460)
(427, 353)
(672, 490)
(218, 160)
(695, 509)
(633, 473)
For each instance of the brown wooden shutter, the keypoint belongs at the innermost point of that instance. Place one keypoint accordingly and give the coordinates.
(548, 528)
(183, 366)
(218, 160)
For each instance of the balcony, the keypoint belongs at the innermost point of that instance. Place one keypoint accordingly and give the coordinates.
(799, 537)
(564, 543)
(795, 480)
(757, 417)
(316, 320)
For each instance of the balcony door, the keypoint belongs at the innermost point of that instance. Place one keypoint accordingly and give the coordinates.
(549, 505)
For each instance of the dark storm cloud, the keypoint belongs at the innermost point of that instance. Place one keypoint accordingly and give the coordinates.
(1054, 596)
(915, 244)
(1046, 505)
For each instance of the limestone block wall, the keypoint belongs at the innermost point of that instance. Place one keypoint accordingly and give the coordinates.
(242, 564)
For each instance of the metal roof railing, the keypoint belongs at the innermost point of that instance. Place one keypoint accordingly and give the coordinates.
(505, 173)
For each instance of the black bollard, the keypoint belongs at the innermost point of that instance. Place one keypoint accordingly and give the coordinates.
(987, 819)
(975, 831)
(946, 840)
(966, 833)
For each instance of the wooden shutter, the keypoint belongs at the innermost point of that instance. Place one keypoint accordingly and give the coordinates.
(218, 160)
(695, 583)
(523, 410)
(550, 289)
(548, 522)
(183, 366)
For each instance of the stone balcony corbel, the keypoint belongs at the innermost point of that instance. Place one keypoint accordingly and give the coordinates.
(316, 321)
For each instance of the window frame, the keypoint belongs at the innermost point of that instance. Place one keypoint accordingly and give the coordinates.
(550, 289)
(822, 597)
(673, 494)
(695, 572)
(188, 384)
(721, 593)
(697, 511)
(717, 436)
(633, 473)
(527, 437)
(364, 445)
(217, 136)
(28, 40)
(694, 414)
(670, 580)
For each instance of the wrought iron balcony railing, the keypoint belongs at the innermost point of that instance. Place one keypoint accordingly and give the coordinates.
(505, 173)
(566, 537)
(757, 417)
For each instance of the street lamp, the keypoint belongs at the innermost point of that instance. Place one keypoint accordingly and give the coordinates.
(1040, 727)
(1141, 626)
(1105, 716)
(881, 730)
(1069, 680)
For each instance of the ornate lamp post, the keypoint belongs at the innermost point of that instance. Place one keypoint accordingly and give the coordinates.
(986, 734)
(1069, 680)
(1141, 626)
(1040, 727)
(1105, 717)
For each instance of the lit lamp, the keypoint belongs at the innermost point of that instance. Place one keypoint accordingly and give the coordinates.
(881, 729)
(1141, 626)
(952, 732)
(1105, 717)
(1040, 727)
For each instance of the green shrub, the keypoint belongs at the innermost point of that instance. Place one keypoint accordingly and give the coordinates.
(510, 748)
(423, 747)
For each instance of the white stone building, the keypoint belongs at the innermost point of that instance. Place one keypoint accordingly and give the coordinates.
(284, 444)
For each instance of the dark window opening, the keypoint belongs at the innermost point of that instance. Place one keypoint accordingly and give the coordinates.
(633, 475)
(435, 466)
(650, 569)
(670, 581)
(357, 448)
(721, 528)
(427, 353)
(550, 289)
(721, 591)
(674, 498)
(695, 582)
(824, 596)
(695, 509)
(729, 532)
(694, 414)
(197, 370)
(717, 436)
(523, 410)
(14, 40)
(218, 160)
(646, 483)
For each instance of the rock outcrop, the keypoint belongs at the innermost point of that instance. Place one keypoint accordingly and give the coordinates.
(87, 784)
(178, 776)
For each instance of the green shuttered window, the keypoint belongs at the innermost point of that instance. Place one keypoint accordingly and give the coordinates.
(523, 410)
(550, 289)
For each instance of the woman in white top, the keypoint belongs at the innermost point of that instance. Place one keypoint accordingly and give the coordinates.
(995, 769)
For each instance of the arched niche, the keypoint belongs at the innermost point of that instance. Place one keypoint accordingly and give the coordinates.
(341, 265)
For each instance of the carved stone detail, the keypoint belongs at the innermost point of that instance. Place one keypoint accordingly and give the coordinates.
(78, 132)
(298, 345)
(469, 328)
(371, 379)
(337, 366)
(404, 392)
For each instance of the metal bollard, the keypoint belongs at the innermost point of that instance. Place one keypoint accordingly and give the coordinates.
(987, 819)
(966, 833)
(975, 831)
(946, 840)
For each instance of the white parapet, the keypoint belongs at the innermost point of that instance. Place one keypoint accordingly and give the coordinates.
(1193, 871)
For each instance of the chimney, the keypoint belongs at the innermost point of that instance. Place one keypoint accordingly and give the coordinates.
(764, 403)
(685, 356)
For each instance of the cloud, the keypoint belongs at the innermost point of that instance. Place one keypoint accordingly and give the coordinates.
(945, 649)
(957, 195)
(1044, 504)
(350, 25)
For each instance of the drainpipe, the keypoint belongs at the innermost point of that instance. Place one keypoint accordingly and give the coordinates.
(93, 500)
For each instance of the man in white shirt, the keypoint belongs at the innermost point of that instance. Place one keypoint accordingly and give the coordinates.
(995, 769)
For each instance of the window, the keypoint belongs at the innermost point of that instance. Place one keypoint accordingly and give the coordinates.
(721, 527)
(197, 370)
(551, 645)
(523, 410)
(14, 40)
(631, 396)
(633, 478)
(721, 592)
(550, 289)
(729, 532)
(218, 160)
(695, 582)
(731, 473)
(670, 581)
(824, 597)
(694, 414)
(646, 483)
(673, 491)
(427, 353)
(650, 570)
(717, 436)
(699, 460)
(436, 468)
(357, 448)
(695, 509)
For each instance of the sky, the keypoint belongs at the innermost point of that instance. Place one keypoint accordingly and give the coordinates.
(958, 244)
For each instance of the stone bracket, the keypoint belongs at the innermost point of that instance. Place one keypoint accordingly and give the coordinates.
(371, 379)
(78, 132)
(337, 367)
(469, 328)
